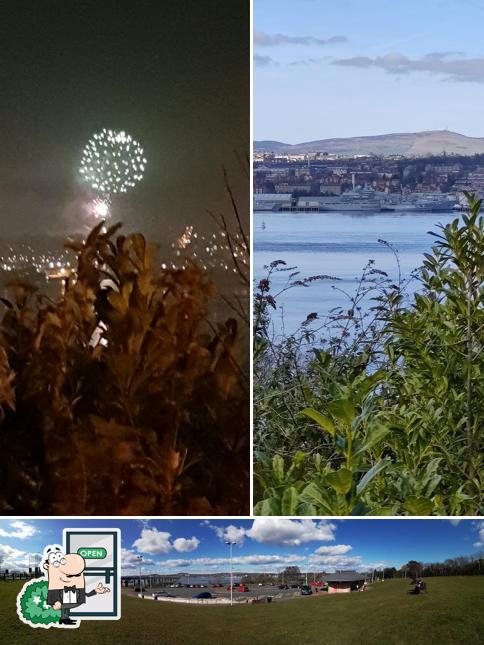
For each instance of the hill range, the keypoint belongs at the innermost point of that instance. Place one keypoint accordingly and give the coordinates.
(411, 144)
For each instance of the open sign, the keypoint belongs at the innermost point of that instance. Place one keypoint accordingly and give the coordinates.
(92, 553)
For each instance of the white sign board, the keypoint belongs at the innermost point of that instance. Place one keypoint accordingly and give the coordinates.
(101, 550)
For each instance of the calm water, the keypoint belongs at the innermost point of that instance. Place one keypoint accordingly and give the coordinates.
(338, 244)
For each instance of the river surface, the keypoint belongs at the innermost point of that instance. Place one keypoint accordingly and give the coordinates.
(338, 244)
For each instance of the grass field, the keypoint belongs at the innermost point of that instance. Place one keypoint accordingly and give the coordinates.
(451, 612)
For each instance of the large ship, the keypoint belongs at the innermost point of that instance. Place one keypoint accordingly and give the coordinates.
(358, 199)
(424, 204)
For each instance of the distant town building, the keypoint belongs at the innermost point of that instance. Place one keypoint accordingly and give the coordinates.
(331, 185)
(318, 174)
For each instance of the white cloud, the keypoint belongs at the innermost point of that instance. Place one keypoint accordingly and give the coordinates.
(263, 61)
(175, 564)
(336, 562)
(450, 65)
(480, 542)
(153, 541)
(158, 542)
(185, 545)
(455, 521)
(234, 534)
(337, 549)
(266, 559)
(11, 558)
(262, 39)
(229, 533)
(240, 561)
(305, 61)
(284, 532)
(341, 562)
(368, 566)
(130, 560)
(21, 530)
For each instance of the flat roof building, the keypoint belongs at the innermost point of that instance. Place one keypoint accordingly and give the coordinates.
(344, 581)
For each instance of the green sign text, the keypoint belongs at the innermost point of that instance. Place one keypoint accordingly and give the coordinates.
(92, 553)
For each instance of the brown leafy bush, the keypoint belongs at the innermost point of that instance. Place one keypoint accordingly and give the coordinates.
(117, 398)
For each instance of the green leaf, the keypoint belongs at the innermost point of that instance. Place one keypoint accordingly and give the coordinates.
(289, 501)
(366, 479)
(308, 509)
(321, 420)
(418, 505)
(341, 480)
(313, 495)
(343, 409)
(432, 484)
(269, 506)
(375, 434)
(278, 468)
(390, 352)
(297, 461)
(383, 510)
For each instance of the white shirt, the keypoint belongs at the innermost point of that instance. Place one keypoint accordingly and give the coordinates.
(69, 597)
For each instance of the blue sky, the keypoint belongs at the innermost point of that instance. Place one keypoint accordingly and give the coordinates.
(349, 68)
(264, 544)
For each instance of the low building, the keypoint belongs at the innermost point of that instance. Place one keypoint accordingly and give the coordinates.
(344, 581)
(270, 201)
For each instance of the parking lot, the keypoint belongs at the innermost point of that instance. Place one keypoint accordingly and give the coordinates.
(255, 591)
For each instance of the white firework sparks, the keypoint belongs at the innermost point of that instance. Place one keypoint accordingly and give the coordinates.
(112, 162)
(100, 209)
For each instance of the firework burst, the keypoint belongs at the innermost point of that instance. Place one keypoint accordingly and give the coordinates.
(112, 162)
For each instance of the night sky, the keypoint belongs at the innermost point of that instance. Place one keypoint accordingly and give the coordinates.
(175, 75)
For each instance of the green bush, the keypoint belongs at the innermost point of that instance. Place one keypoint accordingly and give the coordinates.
(387, 418)
(32, 605)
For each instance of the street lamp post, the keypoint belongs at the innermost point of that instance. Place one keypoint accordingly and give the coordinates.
(140, 558)
(231, 544)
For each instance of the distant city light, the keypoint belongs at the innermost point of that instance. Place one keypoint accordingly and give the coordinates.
(112, 162)
(212, 252)
(25, 259)
(185, 238)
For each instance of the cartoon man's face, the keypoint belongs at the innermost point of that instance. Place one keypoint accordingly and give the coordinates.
(65, 570)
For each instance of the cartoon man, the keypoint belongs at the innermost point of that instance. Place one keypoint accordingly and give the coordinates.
(67, 584)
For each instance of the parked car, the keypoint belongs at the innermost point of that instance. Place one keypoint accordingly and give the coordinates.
(203, 595)
(162, 594)
(294, 586)
(242, 588)
(306, 590)
(283, 587)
